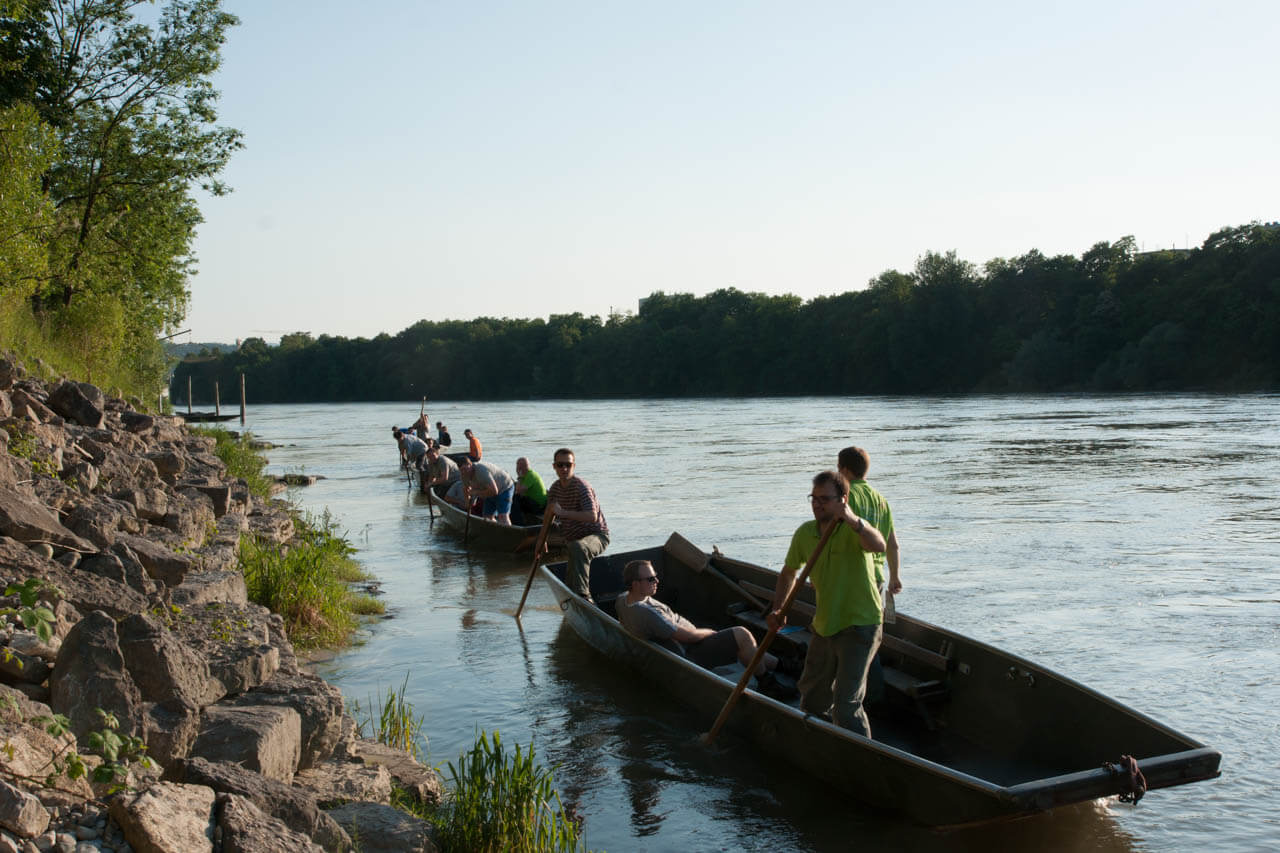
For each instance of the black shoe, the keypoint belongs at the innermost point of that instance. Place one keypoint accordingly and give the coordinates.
(775, 687)
(790, 666)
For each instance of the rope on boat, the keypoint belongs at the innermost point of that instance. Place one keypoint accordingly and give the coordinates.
(1127, 770)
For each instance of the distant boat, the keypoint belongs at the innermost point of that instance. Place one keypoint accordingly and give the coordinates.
(490, 535)
(205, 416)
(967, 734)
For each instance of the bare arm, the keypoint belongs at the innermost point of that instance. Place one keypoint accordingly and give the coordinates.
(691, 635)
(894, 558)
(786, 580)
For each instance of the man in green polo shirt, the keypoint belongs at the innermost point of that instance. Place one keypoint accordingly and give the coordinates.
(846, 631)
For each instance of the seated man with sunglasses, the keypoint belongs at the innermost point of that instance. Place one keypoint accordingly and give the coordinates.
(572, 501)
(649, 619)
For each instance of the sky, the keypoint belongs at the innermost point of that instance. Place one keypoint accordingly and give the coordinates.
(428, 160)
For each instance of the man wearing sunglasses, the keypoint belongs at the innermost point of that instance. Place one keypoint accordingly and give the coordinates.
(573, 502)
(646, 617)
(846, 631)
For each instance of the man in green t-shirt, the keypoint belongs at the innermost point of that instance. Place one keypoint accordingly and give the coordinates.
(846, 627)
(853, 464)
(531, 492)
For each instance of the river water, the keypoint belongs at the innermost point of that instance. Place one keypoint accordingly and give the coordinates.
(1129, 542)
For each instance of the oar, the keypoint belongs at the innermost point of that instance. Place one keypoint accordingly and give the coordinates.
(466, 507)
(710, 736)
(431, 504)
(547, 517)
(695, 558)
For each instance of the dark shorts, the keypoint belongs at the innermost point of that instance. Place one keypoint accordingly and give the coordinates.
(717, 650)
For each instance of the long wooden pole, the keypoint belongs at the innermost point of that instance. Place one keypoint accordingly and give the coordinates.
(188, 394)
(547, 517)
(217, 400)
(242, 399)
(741, 687)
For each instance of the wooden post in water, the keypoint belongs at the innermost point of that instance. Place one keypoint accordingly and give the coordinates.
(188, 394)
(241, 399)
(217, 403)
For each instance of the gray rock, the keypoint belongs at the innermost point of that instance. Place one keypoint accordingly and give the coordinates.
(26, 405)
(169, 729)
(79, 402)
(90, 674)
(246, 829)
(96, 521)
(259, 738)
(337, 782)
(85, 591)
(122, 566)
(28, 521)
(383, 829)
(294, 806)
(16, 666)
(10, 372)
(201, 588)
(219, 496)
(320, 707)
(167, 818)
(160, 562)
(169, 465)
(149, 502)
(236, 641)
(163, 666)
(420, 781)
(20, 812)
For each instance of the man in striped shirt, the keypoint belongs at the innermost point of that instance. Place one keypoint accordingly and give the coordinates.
(573, 502)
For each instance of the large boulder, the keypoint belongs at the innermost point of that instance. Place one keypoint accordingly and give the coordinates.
(27, 405)
(338, 782)
(235, 640)
(122, 566)
(10, 372)
(383, 829)
(167, 818)
(259, 738)
(163, 666)
(169, 729)
(91, 674)
(85, 591)
(79, 402)
(21, 813)
(201, 588)
(320, 707)
(169, 464)
(27, 520)
(190, 515)
(161, 563)
(246, 829)
(295, 807)
(27, 749)
(420, 781)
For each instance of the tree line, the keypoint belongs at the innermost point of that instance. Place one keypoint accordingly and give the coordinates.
(1113, 319)
(108, 127)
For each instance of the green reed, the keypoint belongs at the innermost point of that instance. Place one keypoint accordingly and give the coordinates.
(396, 724)
(504, 801)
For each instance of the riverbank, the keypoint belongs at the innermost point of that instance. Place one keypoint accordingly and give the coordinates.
(123, 530)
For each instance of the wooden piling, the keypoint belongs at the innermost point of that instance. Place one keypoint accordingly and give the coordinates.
(188, 394)
(241, 399)
(217, 403)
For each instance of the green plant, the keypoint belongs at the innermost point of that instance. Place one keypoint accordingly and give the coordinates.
(307, 582)
(504, 801)
(24, 444)
(240, 457)
(116, 750)
(396, 725)
(34, 617)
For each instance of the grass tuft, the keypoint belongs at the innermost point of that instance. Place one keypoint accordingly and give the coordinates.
(504, 801)
(240, 457)
(396, 724)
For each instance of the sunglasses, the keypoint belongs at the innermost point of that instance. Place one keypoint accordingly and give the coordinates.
(562, 464)
(649, 579)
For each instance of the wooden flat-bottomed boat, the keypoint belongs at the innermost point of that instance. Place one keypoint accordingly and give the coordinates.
(490, 535)
(966, 733)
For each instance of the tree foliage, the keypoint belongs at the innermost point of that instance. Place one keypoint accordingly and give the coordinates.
(1112, 319)
(114, 105)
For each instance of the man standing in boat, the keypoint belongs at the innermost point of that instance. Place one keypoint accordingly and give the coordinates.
(853, 464)
(573, 502)
(846, 628)
(491, 484)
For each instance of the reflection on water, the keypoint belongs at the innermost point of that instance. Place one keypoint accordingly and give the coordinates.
(1128, 542)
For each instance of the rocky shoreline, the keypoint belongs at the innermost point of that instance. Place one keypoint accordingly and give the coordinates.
(132, 527)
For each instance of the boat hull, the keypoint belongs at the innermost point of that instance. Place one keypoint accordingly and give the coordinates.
(933, 771)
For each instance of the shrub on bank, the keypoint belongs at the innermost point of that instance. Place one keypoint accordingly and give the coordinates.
(307, 583)
(240, 457)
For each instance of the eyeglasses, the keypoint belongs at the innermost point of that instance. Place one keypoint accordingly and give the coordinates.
(649, 579)
(823, 500)
(562, 464)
